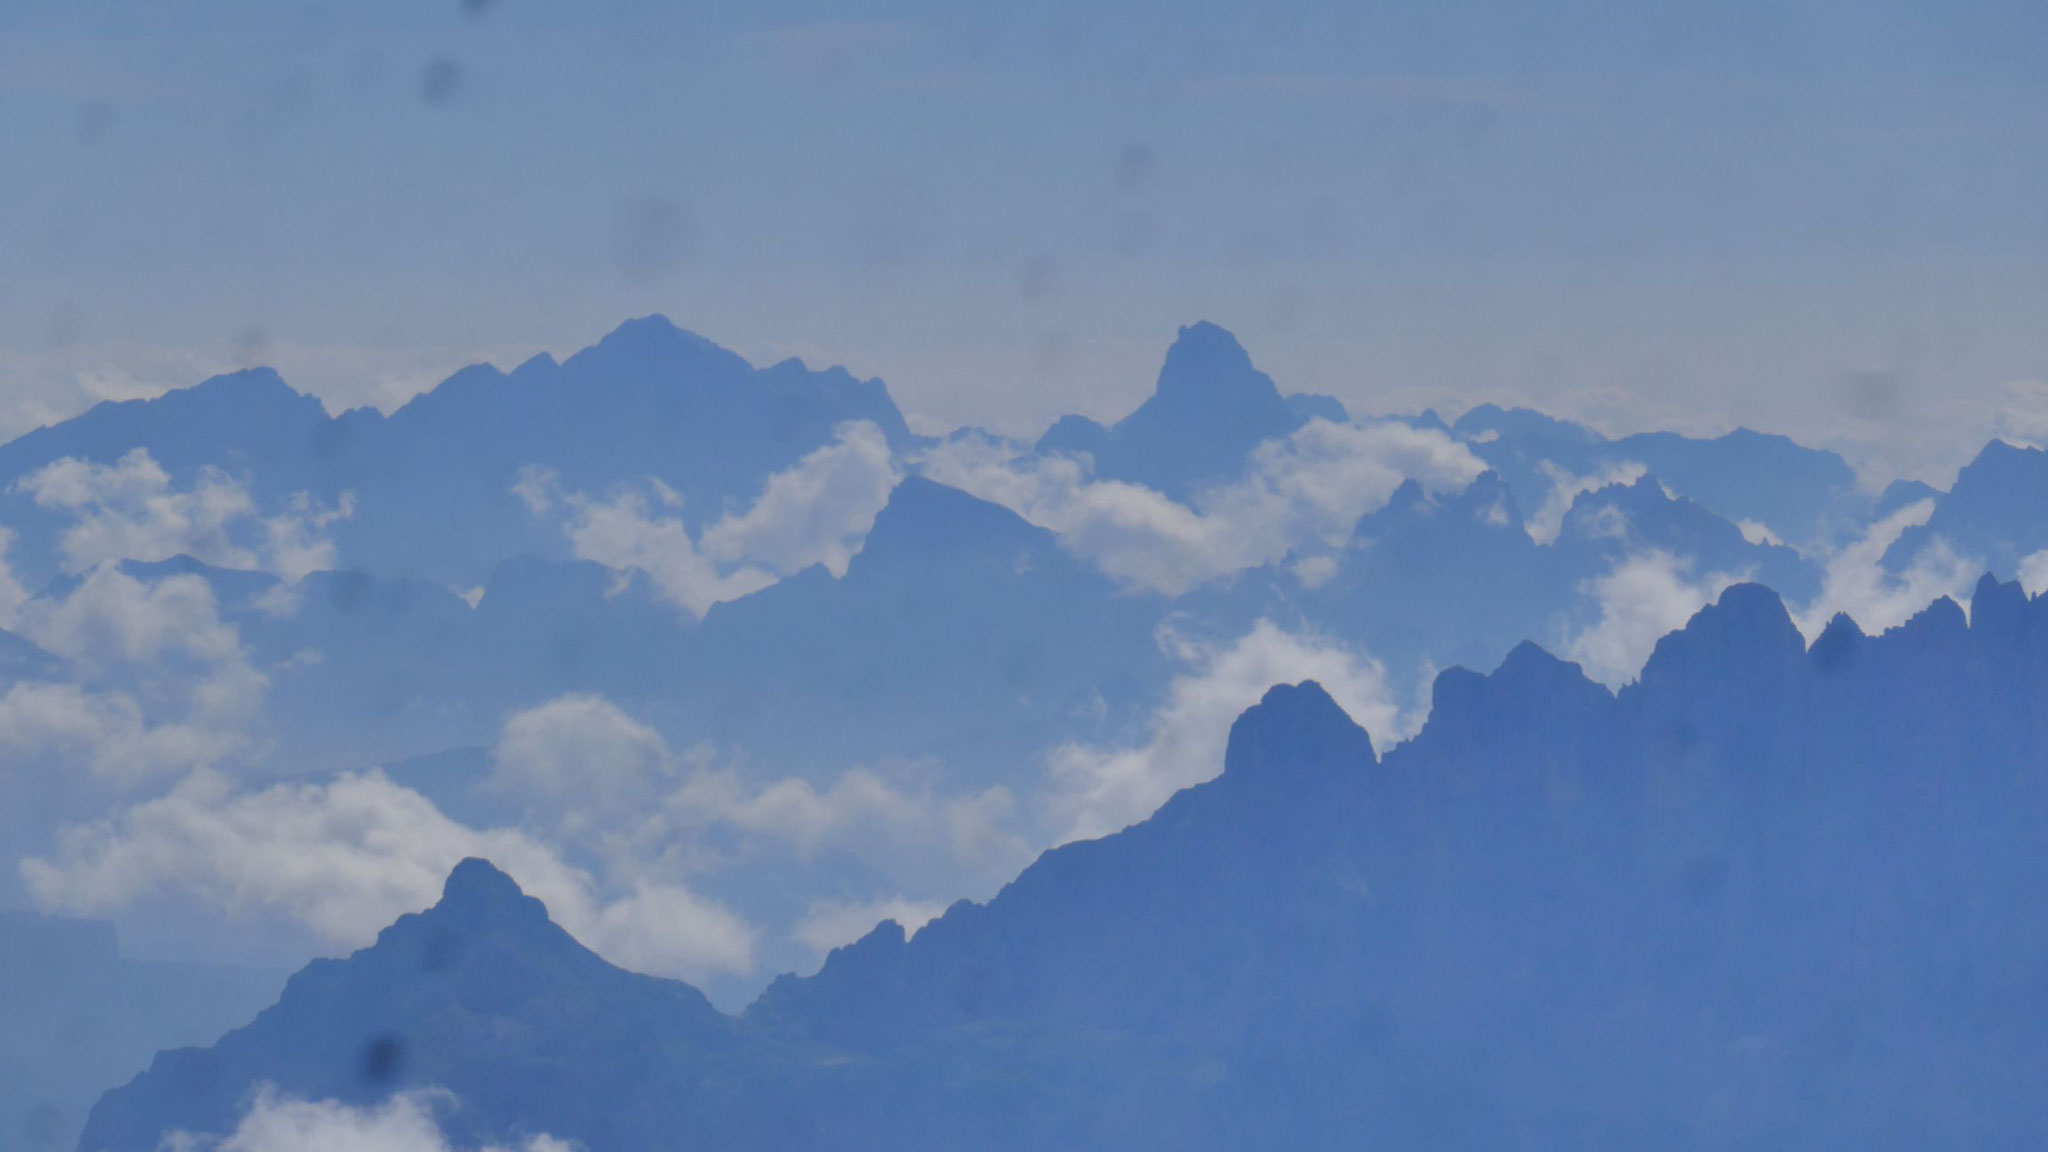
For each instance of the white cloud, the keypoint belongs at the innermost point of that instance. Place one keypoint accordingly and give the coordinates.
(1643, 597)
(579, 754)
(829, 925)
(1856, 581)
(602, 779)
(628, 531)
(162, 682)
(2023, 417)
(12, 594)
(296, 544)
(817, 511)
(346, 857)
(1565, 488)
(862, 813)
(2033, 572)
(1304, 489)
(1758, 533)
(1098, 790)
(131, 510)
(407, 1122)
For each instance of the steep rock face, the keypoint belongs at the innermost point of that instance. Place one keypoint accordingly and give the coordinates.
(1211, 407)
(1764, 896)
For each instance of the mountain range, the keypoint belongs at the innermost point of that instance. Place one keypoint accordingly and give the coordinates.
(790, 596)
(1769, 894)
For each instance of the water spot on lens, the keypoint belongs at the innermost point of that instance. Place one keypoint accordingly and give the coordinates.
(381, 1060)
(440, 80)
(651, 238)
(1134, 167)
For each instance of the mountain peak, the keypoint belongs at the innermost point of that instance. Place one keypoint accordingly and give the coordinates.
(923, 514)
(1746, 632)
(1295, 732)
(1207, 364)
(477, 891)
(654, 343)
(251, 381)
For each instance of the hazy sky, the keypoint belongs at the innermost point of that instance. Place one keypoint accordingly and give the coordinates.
(1828, 218)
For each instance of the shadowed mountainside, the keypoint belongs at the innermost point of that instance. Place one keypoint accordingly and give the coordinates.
(1767, 895)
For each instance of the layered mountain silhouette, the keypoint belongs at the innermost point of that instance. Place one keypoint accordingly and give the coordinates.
(1210, 408)
(431, 483)
(1768, 895)
(1996, 514)
(1805, 496)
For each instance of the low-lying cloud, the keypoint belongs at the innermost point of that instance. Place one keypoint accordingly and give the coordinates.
(1306, 490)
(1856, 581)
(158, 681)
(132, 510)
(406, 1122)
(1645, 595)
(346, 857)
(817, 511)
(1565, 488)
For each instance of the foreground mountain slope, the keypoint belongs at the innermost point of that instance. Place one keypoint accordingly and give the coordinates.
(1766, 896)
(482, 992)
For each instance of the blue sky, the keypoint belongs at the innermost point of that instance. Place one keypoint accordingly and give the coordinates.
(1824, 218)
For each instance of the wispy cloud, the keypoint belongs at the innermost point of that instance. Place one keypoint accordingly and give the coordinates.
(1856, 581)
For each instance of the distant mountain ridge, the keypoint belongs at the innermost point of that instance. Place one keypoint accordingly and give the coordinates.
(1766, 895)
(432, 482)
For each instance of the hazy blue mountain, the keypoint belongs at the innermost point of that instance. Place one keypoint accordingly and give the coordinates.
(1996, 514)
(249, 425)
(1802, 494)
(1310, 406)
(1209, 409)
(1766, 896)
(1798, 492)
(959, 631)
(1490, 423)
(1900, 493)
(1431, 581)
(80, 1017)
(432, 482)
(649, 400)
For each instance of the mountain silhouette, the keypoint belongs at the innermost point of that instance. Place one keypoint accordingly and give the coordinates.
(1208, 410)
(1765, 895)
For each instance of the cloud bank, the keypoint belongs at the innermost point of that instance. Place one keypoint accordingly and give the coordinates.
(1306, 490)
(817, 511)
